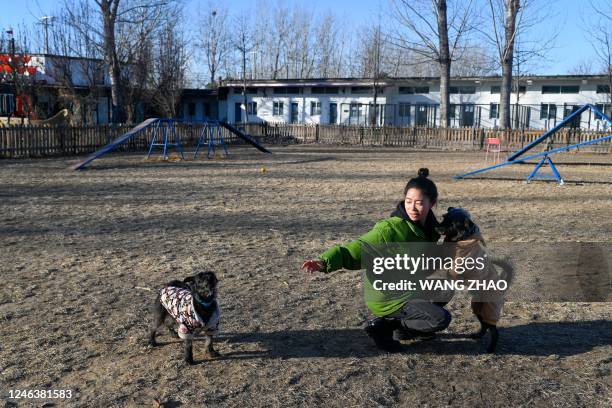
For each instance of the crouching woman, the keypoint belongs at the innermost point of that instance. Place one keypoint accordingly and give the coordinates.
(407, 316)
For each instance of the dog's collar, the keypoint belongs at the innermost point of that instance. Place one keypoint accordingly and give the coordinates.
(203, 303)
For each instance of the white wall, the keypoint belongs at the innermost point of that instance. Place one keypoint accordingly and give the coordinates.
(531, 98)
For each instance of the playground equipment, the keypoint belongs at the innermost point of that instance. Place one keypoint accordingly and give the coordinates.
(60, 118)
(165, 128)
(210, 129)
(545, 155)
(244, 137)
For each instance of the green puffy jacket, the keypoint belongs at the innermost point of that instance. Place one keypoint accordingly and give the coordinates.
(397, 228)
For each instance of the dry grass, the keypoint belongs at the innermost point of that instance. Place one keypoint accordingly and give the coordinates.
(74, 247)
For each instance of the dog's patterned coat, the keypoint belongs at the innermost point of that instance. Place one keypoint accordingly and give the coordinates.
(179, 304)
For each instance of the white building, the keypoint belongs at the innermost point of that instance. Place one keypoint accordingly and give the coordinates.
(81, 74)
(542, 101)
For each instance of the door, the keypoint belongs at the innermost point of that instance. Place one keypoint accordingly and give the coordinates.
(421, 115)
(467, 115)
(333, 113)
(568, 110)
(237, 112)
(294, 112)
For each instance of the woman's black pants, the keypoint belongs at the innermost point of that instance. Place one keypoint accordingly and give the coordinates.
(423, 316)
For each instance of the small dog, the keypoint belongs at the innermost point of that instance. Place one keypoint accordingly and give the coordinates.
(457, 227)
(192, 303)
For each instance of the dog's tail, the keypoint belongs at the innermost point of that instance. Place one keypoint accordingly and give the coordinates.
(507, 267)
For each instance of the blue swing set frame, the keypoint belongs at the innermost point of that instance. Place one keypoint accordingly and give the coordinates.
(516, 158)
(207, 137)
(165, 129)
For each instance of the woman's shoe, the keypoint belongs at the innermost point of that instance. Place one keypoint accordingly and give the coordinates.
(381, 331)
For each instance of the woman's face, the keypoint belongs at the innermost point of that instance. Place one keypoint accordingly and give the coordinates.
(417, 205)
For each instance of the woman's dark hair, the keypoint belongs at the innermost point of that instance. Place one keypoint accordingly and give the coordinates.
(424, 184)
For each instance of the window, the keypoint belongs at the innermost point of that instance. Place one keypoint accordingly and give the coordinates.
(568, 89)
(463, 90)
(98, 74)
(564, 89)
(603, 88)
(409, 90)
(315, 108)
(287, 90)
(317, 90)
(361, 90)
(6, 104)
(548, 111)
(249, 90)
(604, 108)
(277, 109)
(354, 112)
(252, 108)
(495, 89)
(494, 111)
(550, 89)
(191, 109)
(452, 109)
(404, 110)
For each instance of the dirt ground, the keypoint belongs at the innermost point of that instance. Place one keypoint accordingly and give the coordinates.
(83, 252)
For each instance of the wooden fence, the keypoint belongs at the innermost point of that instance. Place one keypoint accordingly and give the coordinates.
(39, 141)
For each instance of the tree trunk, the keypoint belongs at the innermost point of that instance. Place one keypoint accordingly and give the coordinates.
(109, 13)
(445, 64)
(512, 7)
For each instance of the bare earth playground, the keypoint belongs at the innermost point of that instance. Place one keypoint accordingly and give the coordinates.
(83, 252)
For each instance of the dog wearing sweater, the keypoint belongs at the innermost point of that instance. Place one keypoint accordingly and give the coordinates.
(458, 228)
(192, 304)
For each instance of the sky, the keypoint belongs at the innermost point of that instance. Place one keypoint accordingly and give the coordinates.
(572, 45)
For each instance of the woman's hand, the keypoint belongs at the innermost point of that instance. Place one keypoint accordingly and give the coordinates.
(313, 265)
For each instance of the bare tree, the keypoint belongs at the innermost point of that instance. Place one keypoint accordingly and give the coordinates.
(327, 45)
(434, 37)
(514, 31)
(214, 38)
(582, 67)
(509, 14)
(600, 34)
(170, 65)
(244, 43)
(113, 30)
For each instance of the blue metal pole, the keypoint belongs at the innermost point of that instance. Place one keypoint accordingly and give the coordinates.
(221, 141)
(200, 141)
(177, 141)
(165, 130)
(155, 129)
(523, 159)
(211, 142)
(548, 133)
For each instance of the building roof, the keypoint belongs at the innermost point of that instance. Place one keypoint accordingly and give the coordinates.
(397, 80)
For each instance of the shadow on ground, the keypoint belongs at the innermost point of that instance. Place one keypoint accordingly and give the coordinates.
(534, 339)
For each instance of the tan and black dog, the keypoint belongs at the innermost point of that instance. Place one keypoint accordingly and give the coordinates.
(458, 228)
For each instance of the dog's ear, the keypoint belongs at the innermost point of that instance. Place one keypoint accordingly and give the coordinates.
(450, 209)
(190, 282)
